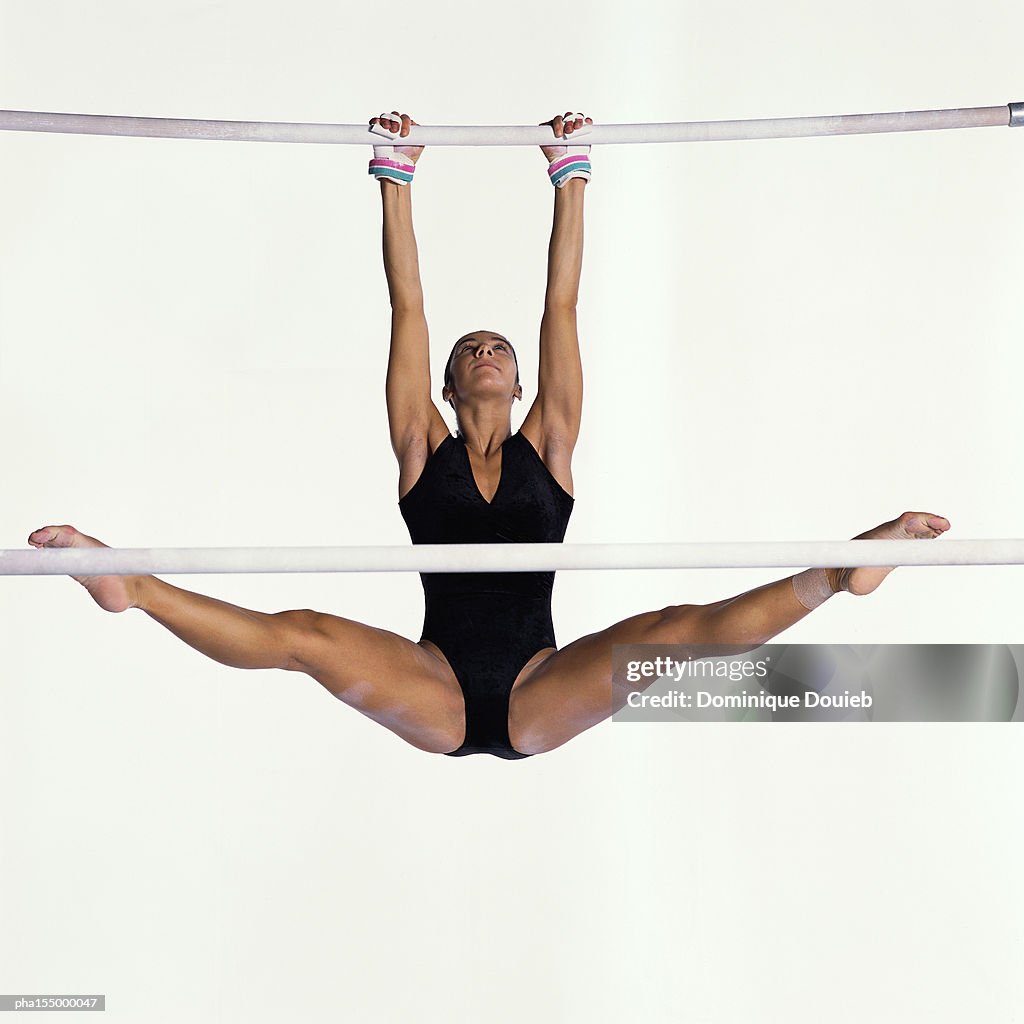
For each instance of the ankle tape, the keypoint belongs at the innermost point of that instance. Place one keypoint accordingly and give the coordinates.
(812, 588)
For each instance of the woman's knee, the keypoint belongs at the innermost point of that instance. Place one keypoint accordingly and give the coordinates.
(678, 624)
(300, 629)
(709, 626)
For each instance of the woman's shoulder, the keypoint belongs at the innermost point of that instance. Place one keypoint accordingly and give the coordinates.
(556, 458)
(416, 458)
(438, 438)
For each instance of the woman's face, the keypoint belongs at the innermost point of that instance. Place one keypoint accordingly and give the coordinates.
(484, 364)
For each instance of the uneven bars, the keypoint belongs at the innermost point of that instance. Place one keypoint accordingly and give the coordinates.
(1011, 115)
(506, 557)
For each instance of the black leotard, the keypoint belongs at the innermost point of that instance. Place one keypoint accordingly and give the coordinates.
(488, 625)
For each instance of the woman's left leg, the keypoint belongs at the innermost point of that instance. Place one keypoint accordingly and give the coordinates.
(571, 689)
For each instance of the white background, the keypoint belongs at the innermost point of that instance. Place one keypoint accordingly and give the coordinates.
(782, 340)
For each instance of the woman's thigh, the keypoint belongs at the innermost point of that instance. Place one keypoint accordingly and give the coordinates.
(571, 690)
(407, 687)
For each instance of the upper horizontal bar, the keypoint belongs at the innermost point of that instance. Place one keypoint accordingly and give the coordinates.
(506, 557)
(352, 134)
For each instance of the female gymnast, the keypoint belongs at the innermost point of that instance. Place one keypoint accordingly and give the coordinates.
(486, 676)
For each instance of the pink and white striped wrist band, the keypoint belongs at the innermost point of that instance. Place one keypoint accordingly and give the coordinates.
(575, 164)
(395, 168)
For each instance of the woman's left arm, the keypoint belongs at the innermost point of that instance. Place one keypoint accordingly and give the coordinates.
(554, 418)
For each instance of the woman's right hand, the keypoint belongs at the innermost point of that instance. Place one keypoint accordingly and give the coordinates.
(403, 122)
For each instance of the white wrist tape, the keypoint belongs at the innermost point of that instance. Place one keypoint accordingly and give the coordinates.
(387, 163)
(571, 161)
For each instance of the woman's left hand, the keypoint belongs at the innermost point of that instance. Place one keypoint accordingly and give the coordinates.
(563, 126)
(401, 124)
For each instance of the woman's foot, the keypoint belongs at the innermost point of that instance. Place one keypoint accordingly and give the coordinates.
(112, 593)
(909, 526)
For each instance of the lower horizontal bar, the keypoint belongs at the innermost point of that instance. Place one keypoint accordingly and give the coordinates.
(506, 557)
(527, 135)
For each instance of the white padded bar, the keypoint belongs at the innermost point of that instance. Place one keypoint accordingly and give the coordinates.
(349, 134)
(507, 557)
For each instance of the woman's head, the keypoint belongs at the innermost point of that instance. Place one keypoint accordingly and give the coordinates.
(482, 363)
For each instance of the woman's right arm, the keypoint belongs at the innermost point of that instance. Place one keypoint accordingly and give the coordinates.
(413, 418)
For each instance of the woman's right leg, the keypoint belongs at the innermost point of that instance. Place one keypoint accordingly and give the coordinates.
(403, 686)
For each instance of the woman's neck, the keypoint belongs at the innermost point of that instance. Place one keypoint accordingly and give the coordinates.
(484, 430)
